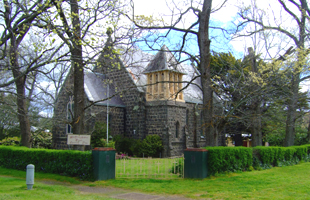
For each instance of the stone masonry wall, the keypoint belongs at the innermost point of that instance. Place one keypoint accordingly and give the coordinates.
(129, 93)
(92, 115)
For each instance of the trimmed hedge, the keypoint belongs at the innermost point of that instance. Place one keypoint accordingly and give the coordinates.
(266, 157)
(64, 162)
(231, 159)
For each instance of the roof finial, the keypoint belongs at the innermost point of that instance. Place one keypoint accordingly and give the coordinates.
(109, 40)
(109, 32)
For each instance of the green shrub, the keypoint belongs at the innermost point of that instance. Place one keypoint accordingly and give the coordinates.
(301, 137)
(108, 144)
(276, 137)
(13, 131)
(266, 157)
(177, 167)
(136, 148)
(123, 145)
(228, 159)
(152, 146)
(99, 135)
(10, 141)
(65, 162)
(41, 139)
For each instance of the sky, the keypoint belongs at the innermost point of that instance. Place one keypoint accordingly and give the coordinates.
(225, 17)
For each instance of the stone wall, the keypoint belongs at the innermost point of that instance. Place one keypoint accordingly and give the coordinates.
(133, 98)
(93, 114)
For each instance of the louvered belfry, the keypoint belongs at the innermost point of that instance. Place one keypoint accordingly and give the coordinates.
(164, 77)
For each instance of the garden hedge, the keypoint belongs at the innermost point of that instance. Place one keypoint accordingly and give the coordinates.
(266, 157)
(65, 162)
(231, 159)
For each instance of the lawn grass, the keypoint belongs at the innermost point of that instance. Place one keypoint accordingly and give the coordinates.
(290, 182)
(15, 188)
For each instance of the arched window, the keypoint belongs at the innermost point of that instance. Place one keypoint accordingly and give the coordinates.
(70, 114)
(177, 129)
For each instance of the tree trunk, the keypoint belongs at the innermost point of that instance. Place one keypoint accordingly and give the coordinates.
(291, 112)
(204, 49)
(23, 118)
(22, 107)
(308, 133)
(257, 139)
(256, 131)
(77, 64)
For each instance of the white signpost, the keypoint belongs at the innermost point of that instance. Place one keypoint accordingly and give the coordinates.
(78, 139)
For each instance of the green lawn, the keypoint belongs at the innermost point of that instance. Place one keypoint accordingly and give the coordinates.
(15, 188)
(290, 182)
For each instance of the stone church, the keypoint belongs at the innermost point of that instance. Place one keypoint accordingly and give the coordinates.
(150, 95)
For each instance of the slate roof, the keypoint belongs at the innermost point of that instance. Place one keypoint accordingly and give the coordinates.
(96, 89)
(164, 60)
(138, 64)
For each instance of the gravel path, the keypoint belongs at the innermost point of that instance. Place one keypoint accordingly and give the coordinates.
(116, 193)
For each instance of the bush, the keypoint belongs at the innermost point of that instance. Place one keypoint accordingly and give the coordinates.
(228, 159)
(10, 141)
(152, 146)
(13, 131)
(41, 139)
(98, 134)
(178, 167)
(65, 162)
(124, 145)
(276, 138)
(266, 157)
(136, 148)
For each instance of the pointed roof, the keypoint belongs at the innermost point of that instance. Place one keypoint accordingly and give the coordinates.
(164, 60)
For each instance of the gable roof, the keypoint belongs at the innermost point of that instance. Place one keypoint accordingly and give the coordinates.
(96, 88)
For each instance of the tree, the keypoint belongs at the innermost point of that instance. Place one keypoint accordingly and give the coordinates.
(200, 30)
(76, 30)
(299, 13)
(17, 19)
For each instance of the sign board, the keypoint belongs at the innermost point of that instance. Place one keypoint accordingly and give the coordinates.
(78, 139)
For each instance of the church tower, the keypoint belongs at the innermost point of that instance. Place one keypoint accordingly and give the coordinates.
(164, 77)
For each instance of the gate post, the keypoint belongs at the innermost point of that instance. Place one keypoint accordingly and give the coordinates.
(195, 163)
(104, 163)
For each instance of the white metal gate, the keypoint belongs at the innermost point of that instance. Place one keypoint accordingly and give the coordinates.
(157, 168)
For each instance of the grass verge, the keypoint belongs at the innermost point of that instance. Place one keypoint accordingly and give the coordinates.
(15, 188)
(290, 182)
